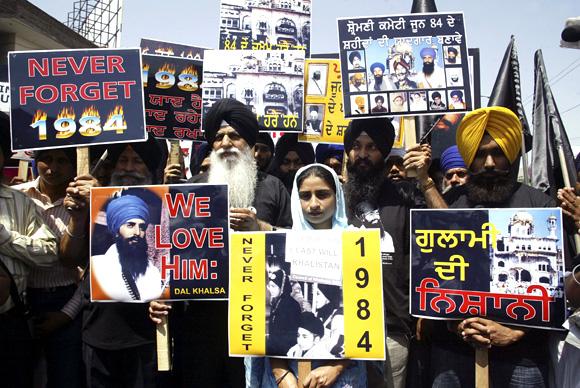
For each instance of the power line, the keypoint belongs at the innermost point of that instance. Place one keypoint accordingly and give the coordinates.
(558, 77)
(569, 109)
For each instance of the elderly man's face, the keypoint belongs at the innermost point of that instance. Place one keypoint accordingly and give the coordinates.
(228, 143)
(133, 230)
(130, 169)
(489, 159)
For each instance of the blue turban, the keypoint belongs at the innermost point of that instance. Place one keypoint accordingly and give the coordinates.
(122, 209)
(379, 65)
(428, 51)
(451, 158)
(325, 151)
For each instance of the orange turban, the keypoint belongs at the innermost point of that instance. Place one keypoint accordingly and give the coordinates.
(499, 122)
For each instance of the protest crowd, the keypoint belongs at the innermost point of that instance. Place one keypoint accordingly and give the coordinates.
(84, 298)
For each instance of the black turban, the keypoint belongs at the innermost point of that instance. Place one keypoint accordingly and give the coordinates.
(265, 138)
(309, 322)
(5, 135)
(70, 152)
(381, 130)
(289, 142)
(236, 114)
(149, 151)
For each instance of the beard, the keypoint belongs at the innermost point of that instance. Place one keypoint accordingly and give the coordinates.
(491, 187)
(130, 178)
(428, 68)
(378, 79)
(133, 255)
(451, 59)
(363, 184)
(239, 171)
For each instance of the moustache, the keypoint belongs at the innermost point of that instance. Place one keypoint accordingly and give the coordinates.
(495, 173)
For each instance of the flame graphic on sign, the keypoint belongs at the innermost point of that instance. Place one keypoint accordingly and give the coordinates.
(168, 67)
(117, 111)
(189, 70)
(66, 113)
(39, 116)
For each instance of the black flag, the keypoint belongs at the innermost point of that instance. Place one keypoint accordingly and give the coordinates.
(423, 6)
(550, 139)
(506, 90)
(424, 123)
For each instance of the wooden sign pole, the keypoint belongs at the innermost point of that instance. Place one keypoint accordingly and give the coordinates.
(23, 170)
(481, 367)
(163, 354)
(163, 338)
(83, 162)
(407, 124)
(304, 368)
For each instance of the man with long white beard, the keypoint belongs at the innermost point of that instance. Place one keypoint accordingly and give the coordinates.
(258, 201)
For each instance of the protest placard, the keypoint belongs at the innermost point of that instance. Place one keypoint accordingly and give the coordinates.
(4, 97)
(270, 82)
(403, 64)
(502, 264)
(159, 242)
(326, 285)
(170, 49)
(70, 98)
(265, 25)
(324, 120)
(173, 91)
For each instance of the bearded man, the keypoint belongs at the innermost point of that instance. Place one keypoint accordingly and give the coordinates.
(125, 272)
(380, 81)
(258, 201)
(374, 201)
(431, 75)
(489, 140)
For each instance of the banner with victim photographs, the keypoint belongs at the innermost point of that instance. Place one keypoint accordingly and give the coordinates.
(159, 242)
(270, 82)
(172, 91)
(324, 120)
(265, 25)
(69, 98)
(307, 295)
(404, 64)
(502, 264)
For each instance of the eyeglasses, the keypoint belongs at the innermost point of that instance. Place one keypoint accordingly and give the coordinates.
(460, 174)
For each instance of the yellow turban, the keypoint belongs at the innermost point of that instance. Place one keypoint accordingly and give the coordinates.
(501, 124)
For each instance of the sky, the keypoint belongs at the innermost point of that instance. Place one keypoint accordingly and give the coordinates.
(536, 24)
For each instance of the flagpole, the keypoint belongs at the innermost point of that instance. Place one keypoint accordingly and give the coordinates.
(525, 160)
(566, 178)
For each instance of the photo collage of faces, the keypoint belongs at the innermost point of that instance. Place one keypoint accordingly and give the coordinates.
(405, 78)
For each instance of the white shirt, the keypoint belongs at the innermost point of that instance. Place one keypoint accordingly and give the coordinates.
(107, 273)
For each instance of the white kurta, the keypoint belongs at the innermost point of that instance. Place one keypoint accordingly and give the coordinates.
(106, 270)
